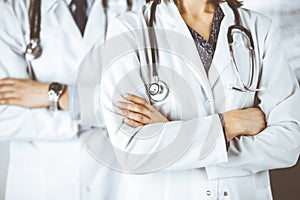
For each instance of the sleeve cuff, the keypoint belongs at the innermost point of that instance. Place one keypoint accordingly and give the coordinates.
(223, 126)
(74, 102)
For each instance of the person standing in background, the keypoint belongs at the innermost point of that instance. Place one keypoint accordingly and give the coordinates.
(47, 160)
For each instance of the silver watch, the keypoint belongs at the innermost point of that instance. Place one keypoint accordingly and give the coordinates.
(54, 92)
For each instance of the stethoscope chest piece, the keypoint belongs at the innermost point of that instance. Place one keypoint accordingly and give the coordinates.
(33, 50)
(158, 91)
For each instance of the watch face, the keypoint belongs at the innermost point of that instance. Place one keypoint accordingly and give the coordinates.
(56, 87)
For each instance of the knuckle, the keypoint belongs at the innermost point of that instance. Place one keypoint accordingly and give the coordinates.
(140, 118)
(147, 121)
(132, 123)
(139, 109)
(127, 113)
(135, 124)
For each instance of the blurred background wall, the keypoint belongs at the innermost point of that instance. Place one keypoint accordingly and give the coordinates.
(286, 15)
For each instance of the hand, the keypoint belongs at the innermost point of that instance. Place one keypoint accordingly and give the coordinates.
(24, 93)
(138, 112)
(28, 93)
(246, 122)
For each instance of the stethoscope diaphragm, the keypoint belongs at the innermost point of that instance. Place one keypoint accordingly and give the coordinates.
(158, 90)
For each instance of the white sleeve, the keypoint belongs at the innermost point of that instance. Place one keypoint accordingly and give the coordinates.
(278, 146)
(18, 123)
(175, 145)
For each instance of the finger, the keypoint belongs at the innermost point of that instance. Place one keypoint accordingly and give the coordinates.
(6, 88)
(134, 108)
(10, 101)
(8, 95)
(138, 100)
(8, 81)
(134, 116)
(132, 123)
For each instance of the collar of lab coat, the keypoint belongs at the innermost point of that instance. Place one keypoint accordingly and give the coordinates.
(171, 15)
(65, 19)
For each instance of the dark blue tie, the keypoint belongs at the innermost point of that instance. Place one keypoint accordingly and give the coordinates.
(78, 9)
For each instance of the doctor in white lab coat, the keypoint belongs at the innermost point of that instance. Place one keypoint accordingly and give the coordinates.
(183, 155)
(47, 160)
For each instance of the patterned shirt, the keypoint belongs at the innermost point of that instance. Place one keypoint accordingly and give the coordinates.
(206, 49)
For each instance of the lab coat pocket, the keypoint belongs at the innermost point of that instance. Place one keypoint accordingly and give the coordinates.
(234, 98)
(263, 187)
(143, 187)
(238, 100)
(264, 193)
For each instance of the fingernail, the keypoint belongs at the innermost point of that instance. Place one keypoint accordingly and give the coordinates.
(118, 111)
(118, 104)
(125, 95)
(125, 120)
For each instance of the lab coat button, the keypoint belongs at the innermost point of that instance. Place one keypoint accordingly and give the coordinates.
(208, 100)
(208, 193)
(225, 193)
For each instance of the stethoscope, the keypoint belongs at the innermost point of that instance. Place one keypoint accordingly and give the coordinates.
(158, 90)
(33, 48)
(241, 29)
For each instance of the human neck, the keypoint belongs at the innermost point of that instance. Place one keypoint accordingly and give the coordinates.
(197, 14)
(195, 7)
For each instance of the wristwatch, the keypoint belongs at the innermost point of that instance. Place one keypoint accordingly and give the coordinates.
(54, 92)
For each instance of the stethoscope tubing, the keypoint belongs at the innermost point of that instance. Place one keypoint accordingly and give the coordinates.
(35, 27)
(244, 87)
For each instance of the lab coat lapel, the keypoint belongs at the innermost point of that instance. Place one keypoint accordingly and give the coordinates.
(65, 19)
(95, 26)
(221, 58)
(177, 24)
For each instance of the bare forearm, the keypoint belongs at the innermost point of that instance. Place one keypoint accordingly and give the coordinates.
(29, 94)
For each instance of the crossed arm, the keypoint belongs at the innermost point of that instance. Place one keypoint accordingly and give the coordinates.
(138, 112)
(28, 94)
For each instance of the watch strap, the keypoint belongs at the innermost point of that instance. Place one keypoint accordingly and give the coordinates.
(54, 93)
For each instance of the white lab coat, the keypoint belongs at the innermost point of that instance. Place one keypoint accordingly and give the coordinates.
(47, 161)
(200, 167)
